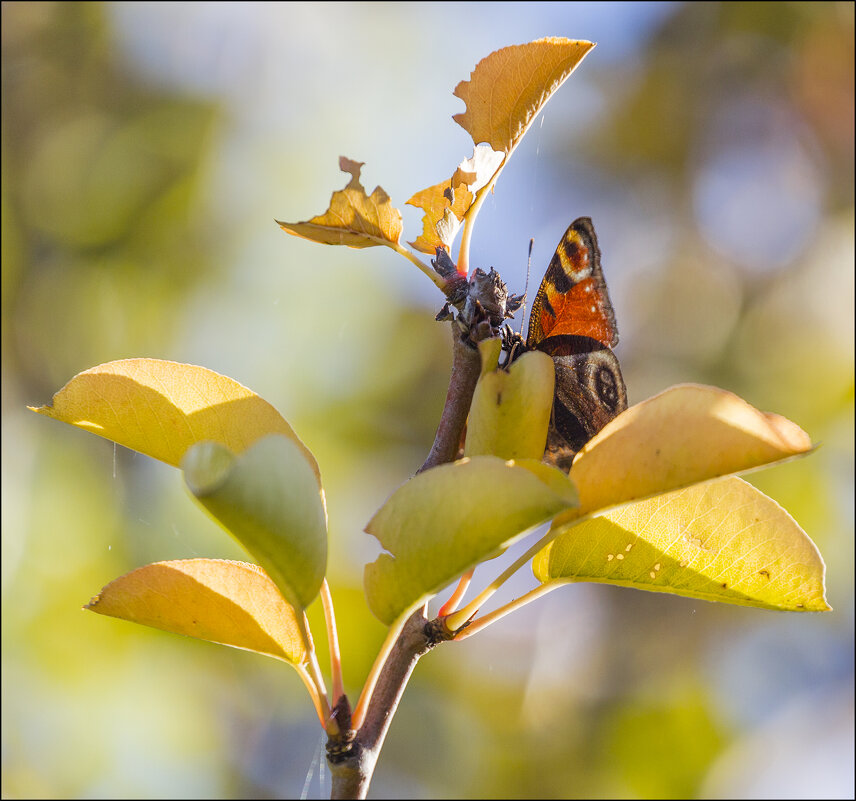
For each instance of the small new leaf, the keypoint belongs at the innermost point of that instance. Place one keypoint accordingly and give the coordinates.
(442, 219)
(479, 168)
(354, 218)
(232, 603)
(510, 410)
(719, 541)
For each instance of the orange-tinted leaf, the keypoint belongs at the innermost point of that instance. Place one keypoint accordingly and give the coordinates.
(162, 408)
(232, 603)
(509, 87)
(354, 218)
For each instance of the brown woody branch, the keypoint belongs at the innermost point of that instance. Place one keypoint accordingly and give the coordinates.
(352, 755)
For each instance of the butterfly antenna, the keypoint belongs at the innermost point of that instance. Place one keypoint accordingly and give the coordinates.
(526, 287)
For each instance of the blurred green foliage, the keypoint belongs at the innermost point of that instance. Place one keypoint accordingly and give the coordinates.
(100, 196)
(723, 155)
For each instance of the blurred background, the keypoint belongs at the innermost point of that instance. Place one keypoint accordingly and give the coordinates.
(147, 149)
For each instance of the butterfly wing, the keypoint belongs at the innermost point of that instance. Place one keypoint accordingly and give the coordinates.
(572, 320)
(572, 299)
(589, 393)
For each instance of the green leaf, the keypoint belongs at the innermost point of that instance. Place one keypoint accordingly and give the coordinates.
(232, 603)
(510, 410)
(269, 499)
(719, 541)
(448, 519)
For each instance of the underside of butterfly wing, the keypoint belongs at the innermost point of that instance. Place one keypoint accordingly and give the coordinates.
(590, 391)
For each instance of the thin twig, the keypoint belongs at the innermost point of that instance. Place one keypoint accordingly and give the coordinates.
(312, 672)
(456, 620)
(353, 754)
(483, 622)
(429, 271)
(317, 699)
(374, 673)
(338, 688)
(472, 213)
(452, 604)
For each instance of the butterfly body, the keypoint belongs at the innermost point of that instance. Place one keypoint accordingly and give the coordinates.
(573, 322)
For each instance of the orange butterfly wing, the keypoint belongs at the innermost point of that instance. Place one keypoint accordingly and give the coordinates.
(572, 299)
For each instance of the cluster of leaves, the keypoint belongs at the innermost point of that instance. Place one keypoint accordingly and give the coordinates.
(651, 502)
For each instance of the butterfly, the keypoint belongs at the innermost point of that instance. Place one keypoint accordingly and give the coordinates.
(573, 322)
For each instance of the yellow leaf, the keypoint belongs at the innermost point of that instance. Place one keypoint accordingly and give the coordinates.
(686, 434)
(444, 521)
(719, 541)
(509, 87)
(354, 218)
(162, 408)
(510, 410)
(232, 603)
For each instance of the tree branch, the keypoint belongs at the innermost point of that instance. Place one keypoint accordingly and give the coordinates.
(352, 754)
(462, 383)
(352, 771)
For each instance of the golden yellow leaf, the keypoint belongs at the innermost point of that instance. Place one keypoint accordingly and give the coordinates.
(162, 408)
(354, 218)
(686, 434)
(232, 603)
(510, 410)
(509, 87)
(719, 541)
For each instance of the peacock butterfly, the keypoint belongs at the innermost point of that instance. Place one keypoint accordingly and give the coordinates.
(573, 322)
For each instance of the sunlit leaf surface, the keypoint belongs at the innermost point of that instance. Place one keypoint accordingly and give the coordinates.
(509, 87)
(232, 603)
(686, 434)
(719, 541)
(442, 216)
(449, 518)
(162, 408)
(269, 499)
